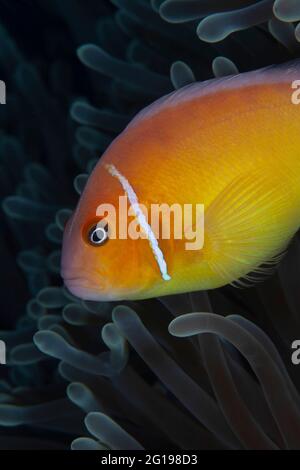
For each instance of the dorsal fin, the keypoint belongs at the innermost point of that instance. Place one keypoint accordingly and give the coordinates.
(286, 72)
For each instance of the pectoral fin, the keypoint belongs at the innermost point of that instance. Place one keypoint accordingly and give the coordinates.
(249, 223)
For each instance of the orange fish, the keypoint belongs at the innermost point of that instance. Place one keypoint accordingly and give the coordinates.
(231, 145)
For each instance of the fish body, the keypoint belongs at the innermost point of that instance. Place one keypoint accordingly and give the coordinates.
(232, 145)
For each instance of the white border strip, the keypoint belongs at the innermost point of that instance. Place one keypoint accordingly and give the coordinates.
(158, 254)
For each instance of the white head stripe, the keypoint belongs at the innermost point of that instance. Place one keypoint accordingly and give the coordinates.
(158, 254)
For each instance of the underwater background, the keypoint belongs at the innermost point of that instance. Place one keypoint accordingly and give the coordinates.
(88, 375)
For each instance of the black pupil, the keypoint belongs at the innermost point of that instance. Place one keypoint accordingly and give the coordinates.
(98, 235)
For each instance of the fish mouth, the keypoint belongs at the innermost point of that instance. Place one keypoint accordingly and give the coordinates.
(82, 289)
(85, 288)
(84, 293)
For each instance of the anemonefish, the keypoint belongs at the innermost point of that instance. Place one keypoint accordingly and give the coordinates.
(229, 144)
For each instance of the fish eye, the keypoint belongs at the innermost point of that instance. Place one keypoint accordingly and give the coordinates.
(98, 235)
